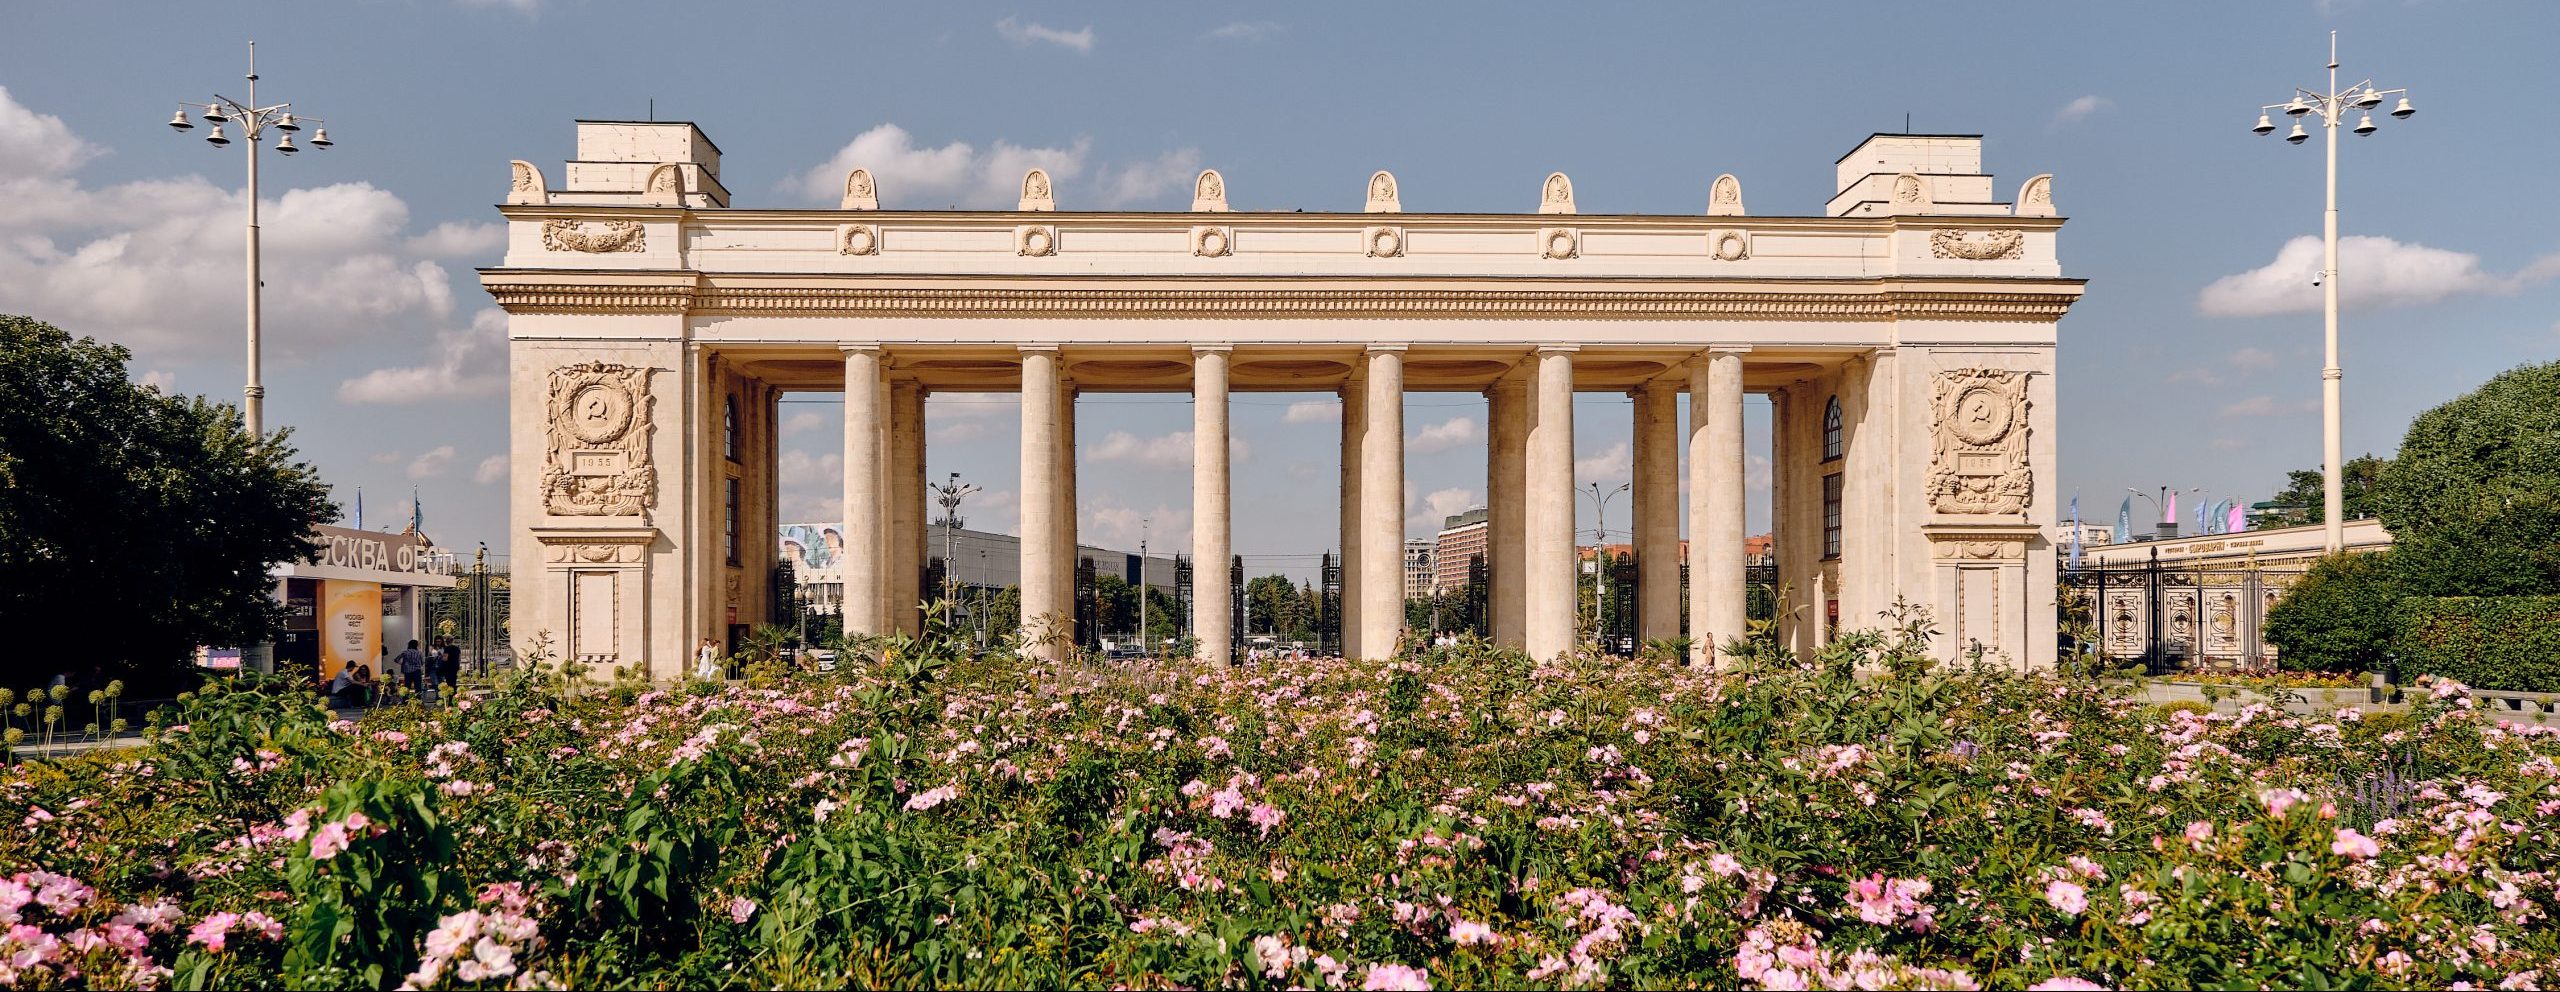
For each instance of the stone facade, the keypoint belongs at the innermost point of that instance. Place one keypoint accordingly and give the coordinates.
(653, 326)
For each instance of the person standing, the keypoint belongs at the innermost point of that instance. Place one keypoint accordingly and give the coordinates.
(413, 667)
(706, 661)
(449, 662)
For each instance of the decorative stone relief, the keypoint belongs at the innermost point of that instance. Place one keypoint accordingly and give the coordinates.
(1978, 458)
(2035, 199)
(1209, 193)
(1035, 192)
(666, 186)
(1384, 242)
(1557, 196)
(1962, 549)
(1724, 199)
(1978, 246)
(1909, 191)
(859, 194)
(595, 554)
(858, 239)
(563, 234)
(1559, 242)
(1382, 195)
(1212, 242)
(732, 588)
(1728, 245)
(1035, 240)
(526, 185)
(596, 459)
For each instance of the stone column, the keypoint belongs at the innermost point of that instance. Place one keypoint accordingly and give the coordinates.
(1382, 505)
(1212, 611)
(865, 560)
(1068, 537)
(1548, 530)
(906, 513)
(1355, 428)
(1041, 478)
(1506, 462)
(1657, 510)
(1715, 501)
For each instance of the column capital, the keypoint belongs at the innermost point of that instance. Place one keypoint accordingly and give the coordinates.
(1713, 350)
(1036, 349)
(1557, 349)
(1198, 350)
(1375, 349)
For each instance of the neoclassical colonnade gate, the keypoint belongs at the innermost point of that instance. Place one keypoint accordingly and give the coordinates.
(1905, 338)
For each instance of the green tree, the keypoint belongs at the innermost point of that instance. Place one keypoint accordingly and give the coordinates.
(2303, 500)
(2337, 617)
(134, 525)
(2473, 498)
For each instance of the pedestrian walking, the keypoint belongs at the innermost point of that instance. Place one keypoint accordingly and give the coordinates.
(413, 667)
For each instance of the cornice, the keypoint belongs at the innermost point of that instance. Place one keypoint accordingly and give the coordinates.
(1184, 221)
(524, 293)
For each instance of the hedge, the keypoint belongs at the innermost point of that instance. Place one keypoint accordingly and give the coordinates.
(2510, 643)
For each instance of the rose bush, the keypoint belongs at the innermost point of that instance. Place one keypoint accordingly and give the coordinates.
(1461, 818)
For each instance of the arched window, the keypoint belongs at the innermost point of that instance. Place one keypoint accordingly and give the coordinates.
(729, 427)
(1831, 429)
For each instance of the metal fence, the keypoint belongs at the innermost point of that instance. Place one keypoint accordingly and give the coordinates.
(2203, 616)
(475, 614)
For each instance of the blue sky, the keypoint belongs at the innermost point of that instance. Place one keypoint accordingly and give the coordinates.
(2193, 362)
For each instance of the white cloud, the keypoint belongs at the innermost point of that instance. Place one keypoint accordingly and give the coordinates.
(2080, 109)
(1143, 181)
(1324, 411)
(805, 420)
(492, 469)
(456, 239)
(1444, 435)
(1166, 451)
(431, 464)
(386, 457)
(471, 361)
(1025, 35)
(2197, 377)
(956, 174)
(147, 263)
(1611, 465)
(37, 144)
(967, 430)
(1167, 529)
(2377, 272)
(1756, 476)
(1434, 509)
(1247, 31)
(158, 379)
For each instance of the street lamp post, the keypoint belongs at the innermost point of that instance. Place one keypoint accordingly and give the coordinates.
(254, 122)
(1142, 585)
(2331, 106)
(949, 494)
(1600, 559)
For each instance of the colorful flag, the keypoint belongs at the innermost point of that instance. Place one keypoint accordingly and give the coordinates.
(2204, 517)
(2169, 510)
(2235, 519)
(2124, 520)
(417, 514)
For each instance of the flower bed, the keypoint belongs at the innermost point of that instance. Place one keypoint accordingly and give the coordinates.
(1463, 819)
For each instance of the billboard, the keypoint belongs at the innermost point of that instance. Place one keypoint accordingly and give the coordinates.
(350, 625)
(813, 546)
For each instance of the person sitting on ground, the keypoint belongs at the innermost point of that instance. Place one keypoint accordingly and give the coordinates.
(362, 682)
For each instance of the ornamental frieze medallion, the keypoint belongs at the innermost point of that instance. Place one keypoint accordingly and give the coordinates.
(1978, 451)
(596, 456)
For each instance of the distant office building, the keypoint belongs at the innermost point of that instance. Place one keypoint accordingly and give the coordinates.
(1461, 541)
(1419, 580)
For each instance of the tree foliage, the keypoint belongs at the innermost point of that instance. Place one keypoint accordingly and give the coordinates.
(2489, 642)
(134, 525)
(2337, 618)
(2473, 498)
(2304, 499)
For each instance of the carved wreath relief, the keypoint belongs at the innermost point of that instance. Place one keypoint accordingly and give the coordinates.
(1978, 456)
(614, 235)
(1988, 246)
(596, 461)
